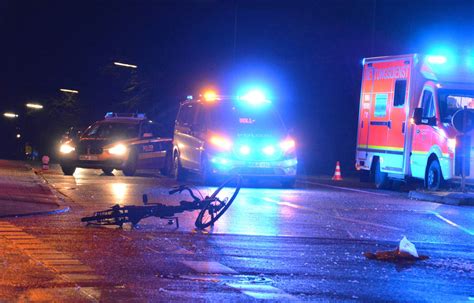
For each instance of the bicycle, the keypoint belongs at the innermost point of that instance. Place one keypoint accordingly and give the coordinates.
(211, 208)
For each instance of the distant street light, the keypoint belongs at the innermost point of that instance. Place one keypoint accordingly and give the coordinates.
(18, 136)
(34, 105)
(125, 65)
(72, 91)
(10, 115)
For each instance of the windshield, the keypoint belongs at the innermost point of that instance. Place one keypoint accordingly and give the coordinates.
(450, 101)
(229, 117)
(112, 131)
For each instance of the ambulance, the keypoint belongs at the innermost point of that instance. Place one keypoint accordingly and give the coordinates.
(405, 127)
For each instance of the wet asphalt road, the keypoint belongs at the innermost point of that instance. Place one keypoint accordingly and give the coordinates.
(303, 244)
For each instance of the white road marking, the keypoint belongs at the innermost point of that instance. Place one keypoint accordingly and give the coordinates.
(345, 188)
(437, 215)
(62, 264)
(262, 292)
(335, 217)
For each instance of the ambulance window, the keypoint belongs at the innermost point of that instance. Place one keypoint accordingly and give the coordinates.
(428, 104)
(400, 92)
(381, 105)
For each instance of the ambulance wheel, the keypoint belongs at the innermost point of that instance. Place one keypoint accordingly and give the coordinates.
(380, 178)
(434, 176)
(131, 165)
(68, 170)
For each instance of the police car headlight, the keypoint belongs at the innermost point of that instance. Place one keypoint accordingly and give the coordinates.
(118, 150)
(66, 148)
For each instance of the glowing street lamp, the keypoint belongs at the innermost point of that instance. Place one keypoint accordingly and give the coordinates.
(34, 105)
(125, 65)
(66, 90)
(10, 115)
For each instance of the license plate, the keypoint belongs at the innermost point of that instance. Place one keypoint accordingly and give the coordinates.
(88, 157)
(260, 164)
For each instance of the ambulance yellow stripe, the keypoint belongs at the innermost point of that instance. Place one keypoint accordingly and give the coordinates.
(380, 147)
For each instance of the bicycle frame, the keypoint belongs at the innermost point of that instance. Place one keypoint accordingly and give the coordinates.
(118, 215)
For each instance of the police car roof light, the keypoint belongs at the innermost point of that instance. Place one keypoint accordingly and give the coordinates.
(255, 97)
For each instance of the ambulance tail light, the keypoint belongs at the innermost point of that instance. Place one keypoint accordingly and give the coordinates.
(288, 145)
(220, 142)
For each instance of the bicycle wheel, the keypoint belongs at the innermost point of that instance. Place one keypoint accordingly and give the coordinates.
(115, 216)
(217, 204)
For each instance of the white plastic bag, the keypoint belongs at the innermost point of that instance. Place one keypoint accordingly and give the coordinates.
(407, 247)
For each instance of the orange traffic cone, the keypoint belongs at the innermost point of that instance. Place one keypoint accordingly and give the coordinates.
(337, 173)
(45, 162)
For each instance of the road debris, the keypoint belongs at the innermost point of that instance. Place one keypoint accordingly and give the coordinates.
(406, 251)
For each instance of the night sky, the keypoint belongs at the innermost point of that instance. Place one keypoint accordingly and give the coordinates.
(306, 53)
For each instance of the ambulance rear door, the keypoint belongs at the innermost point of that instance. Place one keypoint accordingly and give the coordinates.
(388, 119)
(364, 117)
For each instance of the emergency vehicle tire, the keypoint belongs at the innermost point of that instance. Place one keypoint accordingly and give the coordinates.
(380, 178)
(131, 165)
(68, 170)
(434, 176)
(107, 171)
(168, 165)
(177, 171)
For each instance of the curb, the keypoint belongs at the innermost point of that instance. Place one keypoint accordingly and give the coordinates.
(449, 198)
(38, 213)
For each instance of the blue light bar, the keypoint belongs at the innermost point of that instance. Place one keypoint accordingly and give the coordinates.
(255, 98)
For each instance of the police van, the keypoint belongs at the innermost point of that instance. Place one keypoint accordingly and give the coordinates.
(126, 142)
(218, 135)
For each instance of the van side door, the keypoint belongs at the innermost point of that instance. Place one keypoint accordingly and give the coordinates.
(396, 132)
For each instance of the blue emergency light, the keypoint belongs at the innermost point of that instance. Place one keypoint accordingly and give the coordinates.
(254, 98)
(436, 59)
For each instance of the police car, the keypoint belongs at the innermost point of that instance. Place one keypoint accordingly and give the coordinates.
(220, 135)
(124, 142)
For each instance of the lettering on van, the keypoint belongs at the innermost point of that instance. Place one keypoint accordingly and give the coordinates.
(397, 72)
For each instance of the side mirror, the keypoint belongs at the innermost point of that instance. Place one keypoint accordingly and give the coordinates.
(419, 119)
(417, 115)
(147, 135)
